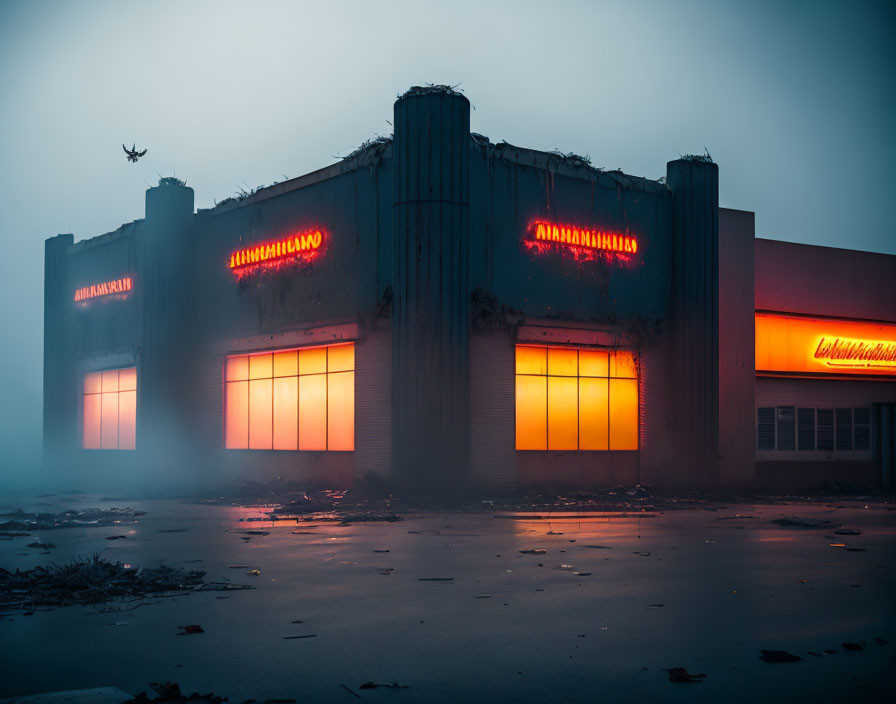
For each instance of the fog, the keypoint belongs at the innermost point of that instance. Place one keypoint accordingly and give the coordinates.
(796, 104)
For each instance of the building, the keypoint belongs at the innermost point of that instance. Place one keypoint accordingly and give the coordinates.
(445, 312)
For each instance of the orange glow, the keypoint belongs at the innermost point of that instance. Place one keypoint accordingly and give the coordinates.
(118, 286)
(531, 412)
(799, 345)
(302, 246)
(623, 414)
(594, 419)
(563, 400)
(313, 412)
(109, 419)
(586, 244)
(299, 399)
(341, 411)
(576, 399)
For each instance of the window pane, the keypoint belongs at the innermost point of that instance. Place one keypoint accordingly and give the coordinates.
(110, 380)
(127, 420)
(563, 399)
(861, 418)
(531, 412)
(805, 428)
(93, 383)
(260, 366)
(261, 408)
(562, 362)
(127, 379)
(341, 358)
(765, 428)
(236, 415)
(237, 368)
(286, 412)
(92, 414)
(825, 440)
(341, 411)
(786, 422)
(286, 363)
(622, 364)
(109, 423)
(313, 360)
(593, 414)
(531, 360)
(593, 363)
(623, 414)
(312, 411)
(844, 428)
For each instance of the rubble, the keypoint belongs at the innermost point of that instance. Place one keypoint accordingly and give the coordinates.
(778, 656)
(95, 581)
(679, 674)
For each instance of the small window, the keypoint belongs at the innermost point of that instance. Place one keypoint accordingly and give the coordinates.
(786, 423)
(805, 428)
(576, 399)
(861, 423)
(291, 400)
(765, 429)
(109, 404)
(825, 440)
(843, 418)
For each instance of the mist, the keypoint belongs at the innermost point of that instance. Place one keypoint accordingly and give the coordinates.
(796, 105)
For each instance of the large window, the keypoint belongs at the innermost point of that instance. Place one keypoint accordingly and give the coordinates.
(291, 400)
(576, 399)
(819, 429)
(110, 410)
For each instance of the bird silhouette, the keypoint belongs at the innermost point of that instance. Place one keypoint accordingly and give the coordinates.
(132, 153)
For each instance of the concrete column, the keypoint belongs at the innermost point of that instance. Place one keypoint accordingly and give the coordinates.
(60, 428)
(695, 287)
(163, 277)
(431, 316)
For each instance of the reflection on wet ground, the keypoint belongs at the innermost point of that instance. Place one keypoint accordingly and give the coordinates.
(480, 607)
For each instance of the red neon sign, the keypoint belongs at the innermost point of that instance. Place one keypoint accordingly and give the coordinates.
(582, 238)
(299, 247)
(119, 286)
(852, 352)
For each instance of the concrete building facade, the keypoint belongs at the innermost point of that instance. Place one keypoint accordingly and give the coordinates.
(442, 311)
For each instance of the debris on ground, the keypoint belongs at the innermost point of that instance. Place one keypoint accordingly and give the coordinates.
(95, 581)
(381, 550)
(250, 532)
(116, 537)
(41, 546)
(533, 551)
(254, 572)
(169, 693)
(805, 523)
(90, 517)
(374, 685)
(174, 530)
(435, 579)
(778, 656)
(598, 547)
(308, 635)
(854, 647)
(189, 630)
(653, 606)
(679, 674)
(847, 531)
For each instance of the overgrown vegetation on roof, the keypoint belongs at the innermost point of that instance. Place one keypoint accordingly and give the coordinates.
(573, 159)
(705, 158)
(171, 181)
(377, 145)
(430, 89)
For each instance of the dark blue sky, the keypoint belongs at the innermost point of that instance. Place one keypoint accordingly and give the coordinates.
(795, 101)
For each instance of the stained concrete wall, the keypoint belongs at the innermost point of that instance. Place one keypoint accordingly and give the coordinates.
(737, 376)
(799, 278)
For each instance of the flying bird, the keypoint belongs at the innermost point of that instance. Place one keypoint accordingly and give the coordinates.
(132, 153)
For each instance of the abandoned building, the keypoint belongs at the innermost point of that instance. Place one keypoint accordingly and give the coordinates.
(445, 311)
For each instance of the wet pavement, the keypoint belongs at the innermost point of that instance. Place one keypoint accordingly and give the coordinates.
(613, 600)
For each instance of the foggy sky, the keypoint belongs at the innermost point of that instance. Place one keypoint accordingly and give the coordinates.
(794, 102)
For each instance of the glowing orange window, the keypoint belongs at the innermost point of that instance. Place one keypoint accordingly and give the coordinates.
(300, 399)
(109, 410)
(576, 399)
